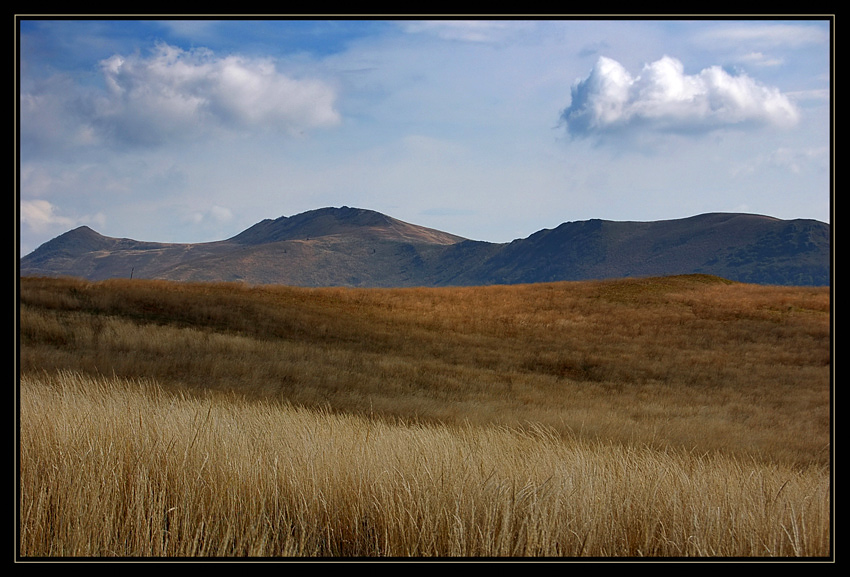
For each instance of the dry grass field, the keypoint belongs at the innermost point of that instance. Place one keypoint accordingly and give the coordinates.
(668, 417)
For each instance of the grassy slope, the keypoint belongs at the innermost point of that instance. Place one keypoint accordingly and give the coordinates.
(692, 362)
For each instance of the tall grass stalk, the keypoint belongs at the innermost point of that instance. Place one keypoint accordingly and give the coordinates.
(122, 467)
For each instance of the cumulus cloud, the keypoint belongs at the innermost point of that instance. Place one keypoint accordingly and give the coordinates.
(40, 214)
(664, 98)
(178, 94)
(175, 91)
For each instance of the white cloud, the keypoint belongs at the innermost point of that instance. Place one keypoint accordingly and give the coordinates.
(177, 92)
(174, 94)
(664, 98)
(41, 215)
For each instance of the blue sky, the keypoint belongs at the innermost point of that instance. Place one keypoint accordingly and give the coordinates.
(194, 130)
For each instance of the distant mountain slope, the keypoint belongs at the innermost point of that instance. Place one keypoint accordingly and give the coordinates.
(357, 247)
(742, 247)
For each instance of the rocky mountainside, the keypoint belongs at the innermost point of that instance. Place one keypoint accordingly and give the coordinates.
(357, 247)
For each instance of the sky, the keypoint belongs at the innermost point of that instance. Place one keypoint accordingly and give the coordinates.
(191, 131)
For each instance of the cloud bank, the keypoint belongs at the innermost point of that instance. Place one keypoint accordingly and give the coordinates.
(174, 94)
(663, 98)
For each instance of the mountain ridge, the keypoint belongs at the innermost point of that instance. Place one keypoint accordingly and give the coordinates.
(331, 221)
(361, 247)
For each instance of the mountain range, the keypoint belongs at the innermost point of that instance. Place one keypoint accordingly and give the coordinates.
(364, 248)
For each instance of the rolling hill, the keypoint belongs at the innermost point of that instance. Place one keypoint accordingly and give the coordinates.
(358, 247)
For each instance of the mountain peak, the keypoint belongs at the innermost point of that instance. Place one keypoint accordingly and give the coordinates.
(81, 238)
(332, 221)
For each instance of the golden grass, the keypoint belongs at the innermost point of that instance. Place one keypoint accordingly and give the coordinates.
(113, 467)
(679, 416)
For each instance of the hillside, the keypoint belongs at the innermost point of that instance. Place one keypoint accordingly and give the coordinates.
(363, 248)
(643, 356)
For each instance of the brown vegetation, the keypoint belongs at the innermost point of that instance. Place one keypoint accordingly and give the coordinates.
(682, 416)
